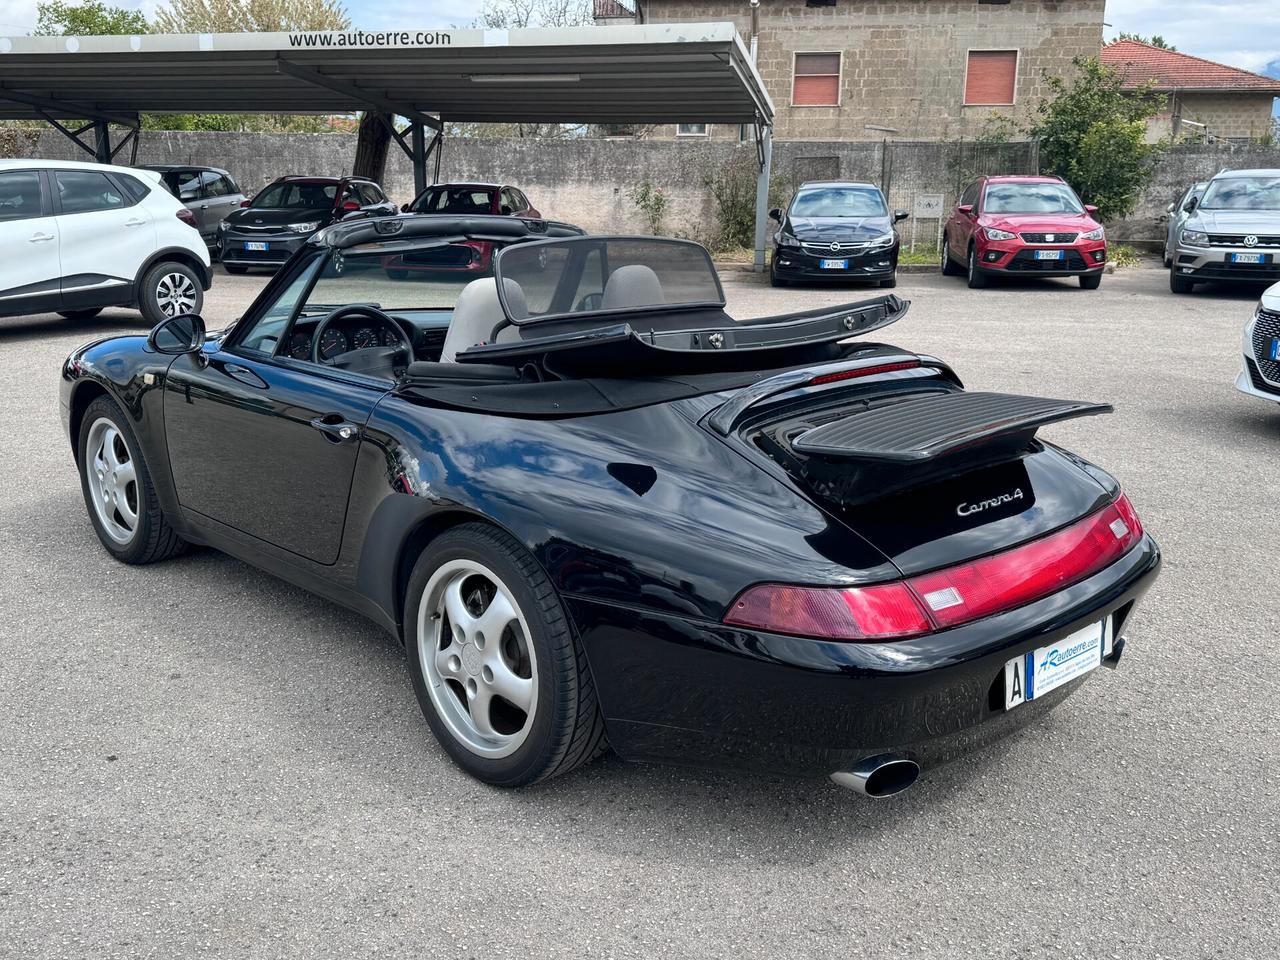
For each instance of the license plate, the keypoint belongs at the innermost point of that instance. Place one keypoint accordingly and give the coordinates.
(1273, 351)
(1048, 254)
(255, 245)
(1246, 258)
(833, 264)
(1036, 673)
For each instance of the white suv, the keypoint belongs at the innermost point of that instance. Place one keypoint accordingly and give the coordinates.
(77, 237)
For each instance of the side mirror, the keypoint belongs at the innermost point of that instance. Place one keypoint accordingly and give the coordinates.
(775, 214)
(177, 335)
(1169, 208)
(505, 210)
(404, 208)
(900, 215)
(1090, 209)
(966, 209)
(1192, 204)
(350, 206)
(246, 202)
(188, 195)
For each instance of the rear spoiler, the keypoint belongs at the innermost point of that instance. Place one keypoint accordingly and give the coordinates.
(928, 428)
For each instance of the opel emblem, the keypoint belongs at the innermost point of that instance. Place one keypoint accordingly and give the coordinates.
(1251, 241)
(835, 246)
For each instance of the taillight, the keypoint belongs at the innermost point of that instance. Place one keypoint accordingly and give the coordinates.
(187, 217)
(944, 598)
(863, 372)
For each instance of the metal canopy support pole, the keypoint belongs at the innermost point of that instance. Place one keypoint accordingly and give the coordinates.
(100, 149)
(101, 141)
(764, 144)
(419, 158)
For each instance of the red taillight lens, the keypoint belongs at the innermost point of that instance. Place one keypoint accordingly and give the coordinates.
(882, 611)
(187, 217)
(863, 372)
(945, 598)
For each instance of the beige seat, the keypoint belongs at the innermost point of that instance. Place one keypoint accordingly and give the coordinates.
(478, 314)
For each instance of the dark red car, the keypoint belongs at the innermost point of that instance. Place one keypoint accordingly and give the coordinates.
(1023, 226)
(461, 199)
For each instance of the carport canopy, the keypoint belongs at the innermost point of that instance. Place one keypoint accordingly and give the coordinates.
(643, 74)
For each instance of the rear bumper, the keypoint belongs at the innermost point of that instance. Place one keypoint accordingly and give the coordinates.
(685, 691)
(796, 264)
(1203, 264)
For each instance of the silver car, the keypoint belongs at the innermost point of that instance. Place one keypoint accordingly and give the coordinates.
(1177, 214)
(208, 192)
(1232, 233)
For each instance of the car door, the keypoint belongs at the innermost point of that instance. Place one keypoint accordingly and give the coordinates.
(963, 224)
(218, 200)
(104, 237)
(30, 265)
(263, 444)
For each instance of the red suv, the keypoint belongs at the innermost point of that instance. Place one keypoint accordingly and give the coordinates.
(1023, 226)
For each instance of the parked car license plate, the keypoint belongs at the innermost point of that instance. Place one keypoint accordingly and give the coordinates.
(1048, 254)
(1036, 673)
(1273, 351)
(255, 245)
(833, 264)
(1247, 258)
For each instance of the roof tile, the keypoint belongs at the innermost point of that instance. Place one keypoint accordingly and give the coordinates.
(1142, 63)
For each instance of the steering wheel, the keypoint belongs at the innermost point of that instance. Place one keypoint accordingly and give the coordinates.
(369, 358)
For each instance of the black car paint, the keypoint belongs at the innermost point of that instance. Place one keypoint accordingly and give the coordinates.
(648, 524)
(804, 263)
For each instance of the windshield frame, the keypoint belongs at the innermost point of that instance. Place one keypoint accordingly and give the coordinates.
(1032, 184)
(863, 188)
(1274, 180)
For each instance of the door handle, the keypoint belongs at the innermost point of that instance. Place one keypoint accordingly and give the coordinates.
(41, 238)
(335, 428)
(135, 222)
(204, 206)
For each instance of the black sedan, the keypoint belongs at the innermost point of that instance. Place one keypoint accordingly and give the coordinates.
(598, 512)
(836, 231)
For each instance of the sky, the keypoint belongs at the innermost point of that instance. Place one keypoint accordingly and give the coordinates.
(1243, 33)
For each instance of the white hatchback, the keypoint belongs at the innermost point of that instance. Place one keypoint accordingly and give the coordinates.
(1261, 374)
(77, 237)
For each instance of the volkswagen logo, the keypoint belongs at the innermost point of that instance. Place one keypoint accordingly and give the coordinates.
(1251, 241)
(834, 245)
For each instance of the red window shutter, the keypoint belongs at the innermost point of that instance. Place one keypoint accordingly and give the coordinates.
(991, 77)
(817, 80)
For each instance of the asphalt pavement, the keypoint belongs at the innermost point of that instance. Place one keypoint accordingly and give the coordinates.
(198, 760)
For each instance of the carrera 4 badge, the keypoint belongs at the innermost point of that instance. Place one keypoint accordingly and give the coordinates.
(969, 509)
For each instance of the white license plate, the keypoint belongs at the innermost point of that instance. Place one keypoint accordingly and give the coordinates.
(1036, 673)
(833, 264)
(1048, 254)
(1246, 258)
(255, 245)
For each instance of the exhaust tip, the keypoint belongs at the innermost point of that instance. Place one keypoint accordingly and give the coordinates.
(884, 775)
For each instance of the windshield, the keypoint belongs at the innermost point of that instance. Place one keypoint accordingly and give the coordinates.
(1031, 198)
(1243, 193)
(459, 200)
(305, 196)
(591, 275)
(839, 202)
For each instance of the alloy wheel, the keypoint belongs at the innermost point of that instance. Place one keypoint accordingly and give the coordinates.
(113, 481)
(477, 658)
(175, 294)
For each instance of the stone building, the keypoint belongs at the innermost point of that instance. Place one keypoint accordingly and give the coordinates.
(902, 69)
(1205, 100)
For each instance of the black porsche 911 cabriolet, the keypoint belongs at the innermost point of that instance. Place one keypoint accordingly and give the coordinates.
(600, 512)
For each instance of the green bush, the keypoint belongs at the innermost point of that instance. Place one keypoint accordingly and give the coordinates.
(653, 204)
(733, 192)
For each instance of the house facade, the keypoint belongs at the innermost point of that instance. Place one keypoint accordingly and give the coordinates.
(902, 69)
(1204, 100)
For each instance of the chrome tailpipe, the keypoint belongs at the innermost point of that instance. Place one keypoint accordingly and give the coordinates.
(880, 776)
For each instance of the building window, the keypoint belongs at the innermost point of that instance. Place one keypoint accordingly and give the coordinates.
(991, 78)
(816, 80)
(691, 129)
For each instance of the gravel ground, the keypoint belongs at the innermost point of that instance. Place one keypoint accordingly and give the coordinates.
(199, 760)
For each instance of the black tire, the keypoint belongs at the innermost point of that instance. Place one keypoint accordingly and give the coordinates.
(566, 729)
(395, 274)
(775, 280)
(1179, 284)
(87, 314)
(152, 538)
(169, 275)
(235, 268)
(977, 279)
(890, 283)
(1091, 281)
(949, 268)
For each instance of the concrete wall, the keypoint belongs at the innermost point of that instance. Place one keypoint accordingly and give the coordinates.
(904, 61)
(588, 181)
(1242, 115)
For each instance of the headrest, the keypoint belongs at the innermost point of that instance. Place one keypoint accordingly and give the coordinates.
(634, 285)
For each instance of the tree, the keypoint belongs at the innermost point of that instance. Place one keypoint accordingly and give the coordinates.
(92, 18)
(251, 16)
(1156, 41)
(1093, 133)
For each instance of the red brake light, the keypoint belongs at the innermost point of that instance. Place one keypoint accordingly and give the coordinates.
(863, 372)
(945, 598)
(187, 217)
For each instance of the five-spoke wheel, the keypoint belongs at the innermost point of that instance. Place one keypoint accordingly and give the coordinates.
(113, 481)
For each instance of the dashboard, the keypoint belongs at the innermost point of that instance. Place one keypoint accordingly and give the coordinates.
(358, 333)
